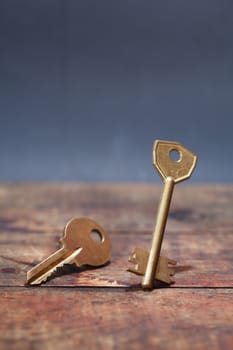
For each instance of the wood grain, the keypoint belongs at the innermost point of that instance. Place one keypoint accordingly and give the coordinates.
(105, 307)
(199, 241)
(46, 207)
(196, 265)
(71, 318)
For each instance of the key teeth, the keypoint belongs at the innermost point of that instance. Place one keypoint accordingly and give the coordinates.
(171, 267)
(139, 258)
(164, 275)
(40, 280)
(132, 268)
(133, 257)
(172, 271)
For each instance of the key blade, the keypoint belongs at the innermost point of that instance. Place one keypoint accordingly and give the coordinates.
(41, 272)
(180, 168)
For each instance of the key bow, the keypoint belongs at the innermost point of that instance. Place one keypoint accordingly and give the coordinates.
(180, 168)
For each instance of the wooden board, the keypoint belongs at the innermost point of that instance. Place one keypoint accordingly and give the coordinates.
(197, 266)
(97, 318)
(105, 307)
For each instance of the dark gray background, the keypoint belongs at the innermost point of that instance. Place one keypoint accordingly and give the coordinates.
(86, 87)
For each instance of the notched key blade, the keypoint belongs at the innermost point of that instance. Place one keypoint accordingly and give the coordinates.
(38, 275)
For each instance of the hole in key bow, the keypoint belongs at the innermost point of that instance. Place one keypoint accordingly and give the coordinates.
(175, 155)
(96, 236)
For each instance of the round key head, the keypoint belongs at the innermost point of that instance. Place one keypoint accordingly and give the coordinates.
(91, 237)
(172, 159)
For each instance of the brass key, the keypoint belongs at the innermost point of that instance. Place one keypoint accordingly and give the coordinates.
(78, 246)
(172, 171)
(152, 265)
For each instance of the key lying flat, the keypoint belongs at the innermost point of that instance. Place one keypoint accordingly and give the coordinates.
(165, 268)
(78, 246)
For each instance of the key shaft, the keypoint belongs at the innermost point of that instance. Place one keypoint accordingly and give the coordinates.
(158, 233)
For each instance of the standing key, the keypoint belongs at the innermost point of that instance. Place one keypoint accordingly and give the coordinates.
(172, 171)
(78, 246)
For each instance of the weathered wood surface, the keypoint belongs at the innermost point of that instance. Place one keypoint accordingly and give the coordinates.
(192, 313)
(199, 231)
(201, 261)
(69, 318)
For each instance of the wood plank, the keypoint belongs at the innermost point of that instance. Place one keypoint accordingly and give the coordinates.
(204, 259)
(116, 319)
(31, 224)
(46, 207)
(73, 310)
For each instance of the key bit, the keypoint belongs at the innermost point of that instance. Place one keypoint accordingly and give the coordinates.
(78, 247)
(165, 268)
